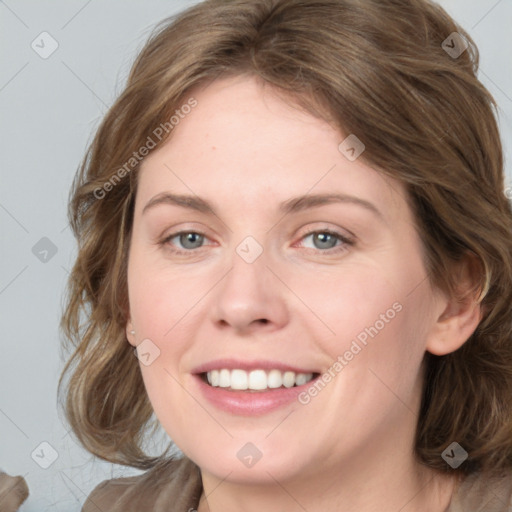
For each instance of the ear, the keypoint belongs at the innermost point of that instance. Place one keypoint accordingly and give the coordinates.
(130, 332)
(458, 316)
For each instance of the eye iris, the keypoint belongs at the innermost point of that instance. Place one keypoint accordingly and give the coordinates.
(192, 238)
(325, 237)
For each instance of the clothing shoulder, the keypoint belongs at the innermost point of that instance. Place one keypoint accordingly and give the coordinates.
(175, 485)
(13, 492)
(484, 493)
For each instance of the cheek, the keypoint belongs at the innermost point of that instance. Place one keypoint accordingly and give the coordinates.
(353, 302)
(161, 302)
(162, 314)
(377, 314)
(155, 309)
(378, 346)
(165, 307)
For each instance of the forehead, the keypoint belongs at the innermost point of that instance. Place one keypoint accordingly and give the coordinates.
(244, 142)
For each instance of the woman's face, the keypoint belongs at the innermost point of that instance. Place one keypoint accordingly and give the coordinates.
(263, 253)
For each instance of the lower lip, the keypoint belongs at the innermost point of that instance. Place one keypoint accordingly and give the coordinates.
(250, 403)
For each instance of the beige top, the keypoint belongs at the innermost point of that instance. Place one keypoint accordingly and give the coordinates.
(13, 492)
(182, 489)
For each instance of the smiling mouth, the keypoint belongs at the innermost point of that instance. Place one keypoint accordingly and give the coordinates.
(255, 380)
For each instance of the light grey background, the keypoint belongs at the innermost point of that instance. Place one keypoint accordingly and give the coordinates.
(49, 110)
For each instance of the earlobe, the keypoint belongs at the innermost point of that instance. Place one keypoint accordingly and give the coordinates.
(460, 315)
(130, 333)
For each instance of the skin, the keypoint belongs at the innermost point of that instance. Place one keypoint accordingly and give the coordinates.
(245, 151)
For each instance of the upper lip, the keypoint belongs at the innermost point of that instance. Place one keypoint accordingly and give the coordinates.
(236, 364)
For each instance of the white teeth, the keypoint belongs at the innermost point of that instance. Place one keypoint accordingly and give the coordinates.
(301, 379)
(224, 378)
(256, 379)
(214, 377)
(274, 379)
(239, 379)
(288, 379)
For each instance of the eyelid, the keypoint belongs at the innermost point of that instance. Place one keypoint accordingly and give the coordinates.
(188, 228)
(167, 238)
(322, 227)
(344, 239)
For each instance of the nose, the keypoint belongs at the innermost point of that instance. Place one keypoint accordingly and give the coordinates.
(250, 298)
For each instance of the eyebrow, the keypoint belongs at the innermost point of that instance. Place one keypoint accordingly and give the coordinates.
(292, 205)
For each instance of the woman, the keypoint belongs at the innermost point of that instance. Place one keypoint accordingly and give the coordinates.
(294, 216)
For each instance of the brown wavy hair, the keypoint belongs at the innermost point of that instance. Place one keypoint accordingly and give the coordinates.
(373, 68)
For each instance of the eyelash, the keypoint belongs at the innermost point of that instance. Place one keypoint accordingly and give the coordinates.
(333, 250)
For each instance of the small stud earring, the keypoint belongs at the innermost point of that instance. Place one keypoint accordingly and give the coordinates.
(132, 332)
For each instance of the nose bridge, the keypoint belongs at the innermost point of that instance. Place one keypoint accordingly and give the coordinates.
(249, 293)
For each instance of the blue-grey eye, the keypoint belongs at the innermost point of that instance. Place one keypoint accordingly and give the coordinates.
(324, 239)
(190, 240)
